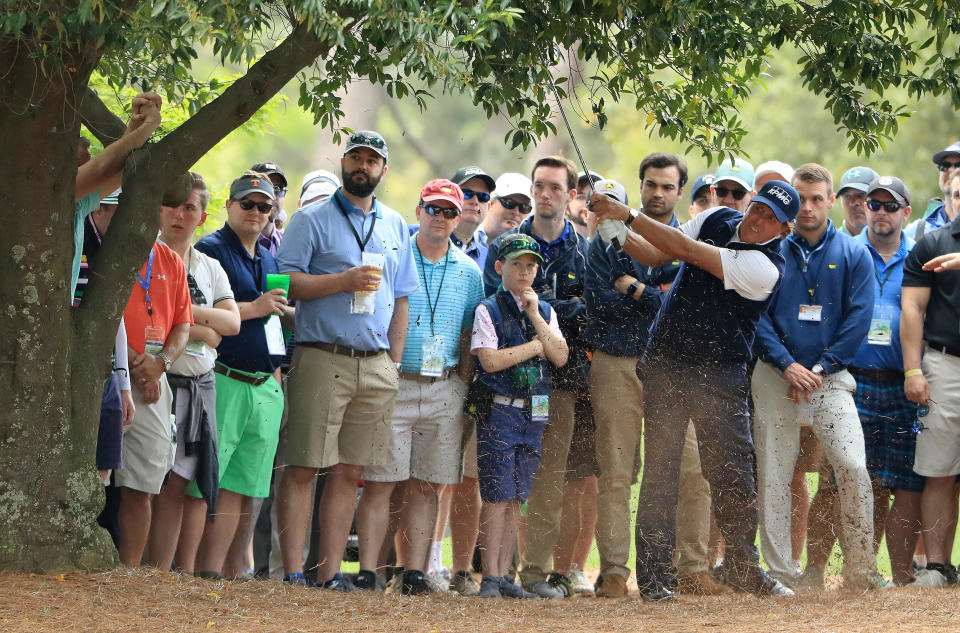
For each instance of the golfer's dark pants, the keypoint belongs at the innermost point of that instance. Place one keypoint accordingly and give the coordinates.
(715, 399)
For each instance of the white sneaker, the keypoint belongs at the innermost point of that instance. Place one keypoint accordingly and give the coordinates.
(581, 586)
(439, 579)
(928, 579)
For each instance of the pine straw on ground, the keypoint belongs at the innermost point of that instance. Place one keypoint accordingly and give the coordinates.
(131, 601)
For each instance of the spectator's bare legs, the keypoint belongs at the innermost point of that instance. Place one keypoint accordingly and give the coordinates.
(903, 531)
(492, 519)
(800, 508)
(936, 505)
(588, 522)
(293, 514)
(881, 508)
(948, 536)
(574, 522)
(418, 520)
(508, 537)
(443, 518)
(335, 515)
(393, 540)
(191, 533)
(165, 526)
(239, 556)
(218, 536)
(373, 517)
(465, 522)
(133, 523)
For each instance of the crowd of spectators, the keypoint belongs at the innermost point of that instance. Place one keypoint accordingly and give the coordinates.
(285, 391)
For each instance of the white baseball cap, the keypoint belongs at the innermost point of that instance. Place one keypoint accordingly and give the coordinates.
(512, 183)
(777, 167)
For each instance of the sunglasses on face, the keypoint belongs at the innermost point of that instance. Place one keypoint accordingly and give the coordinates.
(363, 139)
(522, 242)
(890, 206)
(262, 207)
(513, 204)
(444, 211)
(945, 166)
(481, 196)
(737, 194)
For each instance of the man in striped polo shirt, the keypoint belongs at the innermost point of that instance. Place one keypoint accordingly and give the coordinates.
(437, 367)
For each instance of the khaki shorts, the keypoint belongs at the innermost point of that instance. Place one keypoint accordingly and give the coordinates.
(149, 447)
(341, 409)
(426, 433)
(938, 444)
(811, 453)
(470, 455)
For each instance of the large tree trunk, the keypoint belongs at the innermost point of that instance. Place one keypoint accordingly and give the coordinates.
(50, 491)
(54, 359)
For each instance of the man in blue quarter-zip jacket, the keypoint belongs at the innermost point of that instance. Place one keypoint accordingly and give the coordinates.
(695, 367)
(559, 282)
(815, 324)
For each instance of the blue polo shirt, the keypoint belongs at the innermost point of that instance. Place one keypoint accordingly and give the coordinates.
(887, 282)
(319, 241)
(247, 350)
(477, 248)
(455, 287)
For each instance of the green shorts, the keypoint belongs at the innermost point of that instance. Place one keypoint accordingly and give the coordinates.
(248, 428)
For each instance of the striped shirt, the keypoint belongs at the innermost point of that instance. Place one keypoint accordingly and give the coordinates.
(455, 299)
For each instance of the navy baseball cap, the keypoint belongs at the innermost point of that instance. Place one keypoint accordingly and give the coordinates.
(858, 178)
(469, 173)
(271, 169)
(782, 199)
(703, 181)
(245, 185)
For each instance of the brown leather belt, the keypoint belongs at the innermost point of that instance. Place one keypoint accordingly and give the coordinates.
(449, 371)
(886, 375)
(343, 350)
(242, 377)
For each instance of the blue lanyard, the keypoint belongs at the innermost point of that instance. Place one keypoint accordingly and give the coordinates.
(146, 284)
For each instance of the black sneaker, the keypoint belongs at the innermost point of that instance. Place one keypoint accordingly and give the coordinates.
(368, 581)
(950, 571)
(415, 583)
(656, 593)
(561, 582)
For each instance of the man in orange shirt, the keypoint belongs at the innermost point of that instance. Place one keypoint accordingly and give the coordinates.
(158, 317)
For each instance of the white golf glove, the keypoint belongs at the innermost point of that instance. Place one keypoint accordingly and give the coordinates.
(611, 230)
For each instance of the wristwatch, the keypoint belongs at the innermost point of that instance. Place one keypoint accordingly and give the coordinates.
(817, 369)
(632, 290)
(166, 361)
(634, 214)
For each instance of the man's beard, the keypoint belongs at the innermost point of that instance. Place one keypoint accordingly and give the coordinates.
(357, 187)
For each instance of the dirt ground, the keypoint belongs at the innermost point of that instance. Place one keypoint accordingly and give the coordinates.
(128, 601)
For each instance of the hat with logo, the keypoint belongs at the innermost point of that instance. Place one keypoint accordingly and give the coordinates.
(782, 199)
(469, 173)
(703, 181)
(319, 183)
(857, 178)
(113, 198)
(611, 189)
(737, 170)
(892, 185)
(245, 185)
(443, 189)
(369, 139)
(951, 149)
(512, 183)
(777, 167)
(271, 169)
(513, 245)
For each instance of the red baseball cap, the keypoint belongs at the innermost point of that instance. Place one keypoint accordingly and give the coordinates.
(443, 189)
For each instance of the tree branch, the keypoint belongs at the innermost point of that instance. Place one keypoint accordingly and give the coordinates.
(101, 122)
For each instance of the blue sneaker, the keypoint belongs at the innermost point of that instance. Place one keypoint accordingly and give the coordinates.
(296, 579)
(338, 583)
(490, 587)
(510, 589)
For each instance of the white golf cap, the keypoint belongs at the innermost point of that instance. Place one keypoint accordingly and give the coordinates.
(512, 183)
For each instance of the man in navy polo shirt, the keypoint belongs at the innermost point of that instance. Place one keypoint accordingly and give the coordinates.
(351, 270)
(815, 324)
(249, 398)
(695, 368)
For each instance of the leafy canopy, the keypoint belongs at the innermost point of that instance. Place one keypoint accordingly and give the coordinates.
(687, 64)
